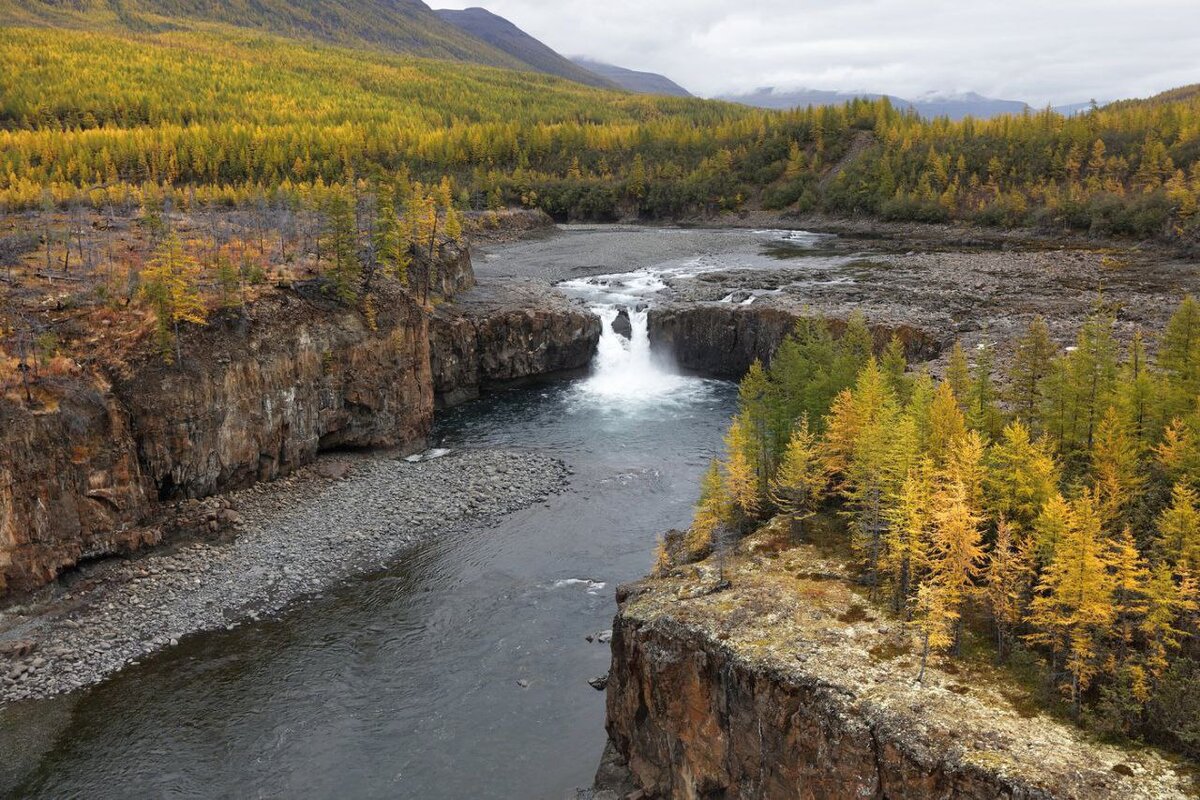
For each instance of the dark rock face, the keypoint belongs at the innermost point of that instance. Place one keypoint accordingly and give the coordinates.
(297, 376)
(453, 272)
(724, 340)
(622, 326)
(497, 335)
(257, 394)
(692, 721)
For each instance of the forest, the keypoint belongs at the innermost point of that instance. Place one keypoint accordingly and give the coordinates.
(1051, 508)
(224, 117)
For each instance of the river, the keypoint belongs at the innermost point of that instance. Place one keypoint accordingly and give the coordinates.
(459, 673)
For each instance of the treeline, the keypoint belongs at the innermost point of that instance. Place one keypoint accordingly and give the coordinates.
(228, 117)
(1060, 513)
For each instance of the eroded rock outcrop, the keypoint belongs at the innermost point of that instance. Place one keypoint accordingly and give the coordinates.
(295, 375)
(504, 332)
(71, 486)
(259, 392)
(786, 685)
(722, 340)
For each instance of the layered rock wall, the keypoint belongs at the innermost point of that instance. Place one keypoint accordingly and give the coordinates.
(258, 393)
(497, 335)
(723, 340)
(766, 675)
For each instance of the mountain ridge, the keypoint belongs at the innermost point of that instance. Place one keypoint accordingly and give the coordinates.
(505, 36)
(632, 79)
(400, 26)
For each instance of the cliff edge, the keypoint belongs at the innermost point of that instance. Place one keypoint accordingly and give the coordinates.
(772, 677)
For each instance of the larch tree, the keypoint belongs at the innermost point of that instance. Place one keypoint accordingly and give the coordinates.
(1074, 604)
(1030, 365)
(713, 514)
(1006, 578)
(956, 548)
(802, 479)
(958, 372)
(1022, 475)
(935, 619)
(946, 422)
(1179, 356)
(1116, 473)
(1050, 527)
(340, 244)
(171, 285)
(740, 476)
(393, 237)
(906, 542)
(1179, 529)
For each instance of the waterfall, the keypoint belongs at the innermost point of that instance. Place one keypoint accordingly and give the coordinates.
(625, 370)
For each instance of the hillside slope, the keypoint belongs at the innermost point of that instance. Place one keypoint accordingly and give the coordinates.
(401, 26)
(633, 80)
(503, 35)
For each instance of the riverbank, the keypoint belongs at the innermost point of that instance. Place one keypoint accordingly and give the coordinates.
(297, 537)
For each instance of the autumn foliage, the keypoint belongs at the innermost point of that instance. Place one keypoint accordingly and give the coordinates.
(1059, 516)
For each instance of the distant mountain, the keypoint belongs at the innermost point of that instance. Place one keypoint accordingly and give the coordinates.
(503, 35)
(1071, 109)
(967, 104)
(955, 106)
(402, 26)
(634, 81)
(769, 97)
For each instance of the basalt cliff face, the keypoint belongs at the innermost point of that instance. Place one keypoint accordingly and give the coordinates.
(258, 393)
(722, 340)
(500, 333)
(784, 684)
(295, 375)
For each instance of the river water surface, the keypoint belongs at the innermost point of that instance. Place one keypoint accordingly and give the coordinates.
(462, 671)
(459, 673)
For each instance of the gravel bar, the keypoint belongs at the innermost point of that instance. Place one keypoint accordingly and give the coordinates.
(297, 537)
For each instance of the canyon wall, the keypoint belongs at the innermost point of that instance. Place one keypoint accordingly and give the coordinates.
(501, 334)
(259, 392)
(766, 675)
(723, 340)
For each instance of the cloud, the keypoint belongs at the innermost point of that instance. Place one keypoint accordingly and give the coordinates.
(1034, 50)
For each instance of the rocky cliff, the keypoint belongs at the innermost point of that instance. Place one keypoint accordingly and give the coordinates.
(71, 485)
(506, 331)
(295, 375)
(722, 339)
(258, 392)
(784, 684)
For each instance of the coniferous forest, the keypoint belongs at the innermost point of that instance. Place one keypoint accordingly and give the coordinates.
(227, 116)
(1050, 507)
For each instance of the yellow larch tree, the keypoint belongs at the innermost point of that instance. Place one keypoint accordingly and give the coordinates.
(905, 550)
(1179, 529)
(171, 285)
(956, 549)
(1115, 466)
(1006, 575)
(1022, 475)
(802, 479)
(1074, 604)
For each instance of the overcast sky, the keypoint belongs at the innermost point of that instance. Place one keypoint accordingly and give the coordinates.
(1038, 51)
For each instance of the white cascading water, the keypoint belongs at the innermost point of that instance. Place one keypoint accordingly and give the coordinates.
(625, 370)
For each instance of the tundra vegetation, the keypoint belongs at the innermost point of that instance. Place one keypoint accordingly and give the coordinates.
(1051, 509)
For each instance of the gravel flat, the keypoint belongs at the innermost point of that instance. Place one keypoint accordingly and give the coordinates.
(296, 537)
